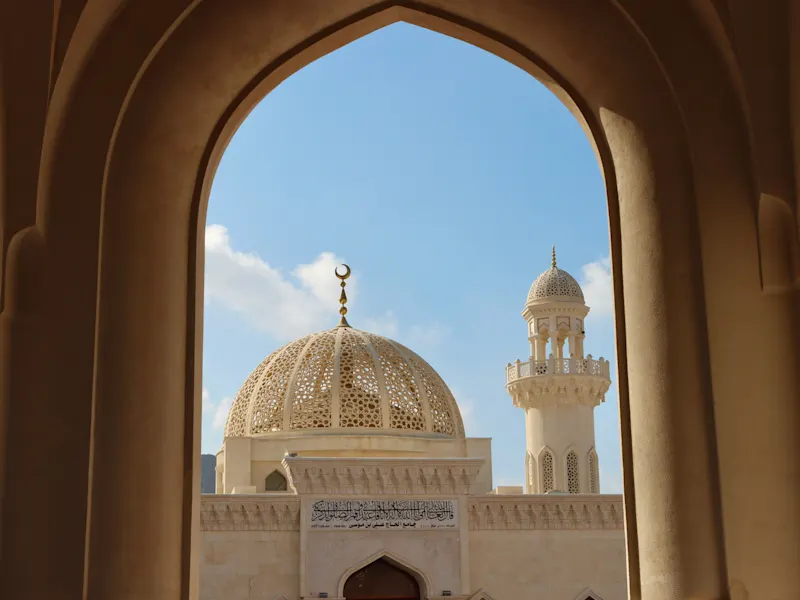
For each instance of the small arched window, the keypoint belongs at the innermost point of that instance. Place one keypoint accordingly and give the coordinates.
(594, 474)
(275, 482)
(573, 480)
(548, 474)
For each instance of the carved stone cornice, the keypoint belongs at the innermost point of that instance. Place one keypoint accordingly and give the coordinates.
(237, 512)
(584, 511)
(553, 390)
(376, 476)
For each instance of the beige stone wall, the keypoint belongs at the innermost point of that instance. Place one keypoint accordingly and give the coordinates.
(257, 565)
(511, 547)
(552, 565)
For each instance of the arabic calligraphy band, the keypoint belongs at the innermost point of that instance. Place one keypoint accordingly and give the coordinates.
(383, 513)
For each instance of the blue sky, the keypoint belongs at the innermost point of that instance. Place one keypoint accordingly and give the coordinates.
(443, 175)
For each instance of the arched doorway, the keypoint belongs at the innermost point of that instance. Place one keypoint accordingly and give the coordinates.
(381, 580)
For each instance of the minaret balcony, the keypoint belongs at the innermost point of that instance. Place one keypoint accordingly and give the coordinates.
(536, 383)
(558, 366)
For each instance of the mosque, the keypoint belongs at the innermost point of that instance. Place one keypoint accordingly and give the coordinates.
(345, 472)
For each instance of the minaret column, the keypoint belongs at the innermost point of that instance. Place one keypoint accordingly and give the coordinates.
(553, 330)
(541, 348)
(562, 422)
(573, 350)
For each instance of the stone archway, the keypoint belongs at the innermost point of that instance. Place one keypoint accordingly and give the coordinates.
(140, 111)
(381, 580)
(154, 152)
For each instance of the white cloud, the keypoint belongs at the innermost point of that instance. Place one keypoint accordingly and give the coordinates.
(597, 287)
(217, 411)
(268, 298)
(290, 305)
(221, 413)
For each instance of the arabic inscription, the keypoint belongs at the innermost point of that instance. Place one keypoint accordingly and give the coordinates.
(384, 514)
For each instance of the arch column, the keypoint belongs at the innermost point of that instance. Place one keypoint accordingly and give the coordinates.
(671, 482)
(145, 488)
(43, 437)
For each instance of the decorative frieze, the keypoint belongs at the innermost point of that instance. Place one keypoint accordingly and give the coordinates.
(341, 477)
(251, 513)
(546, 512)
(248, 513)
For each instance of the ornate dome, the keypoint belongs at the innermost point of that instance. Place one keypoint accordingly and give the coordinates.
(557, 284)
(344, 379)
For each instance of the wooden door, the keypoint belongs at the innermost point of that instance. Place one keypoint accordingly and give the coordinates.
(381, 580)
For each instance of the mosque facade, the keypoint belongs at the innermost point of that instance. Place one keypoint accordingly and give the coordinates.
(345, 472)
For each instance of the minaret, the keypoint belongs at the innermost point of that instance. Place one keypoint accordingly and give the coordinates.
(558, 388)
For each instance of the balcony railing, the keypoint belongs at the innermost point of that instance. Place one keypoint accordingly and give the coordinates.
(558, 366)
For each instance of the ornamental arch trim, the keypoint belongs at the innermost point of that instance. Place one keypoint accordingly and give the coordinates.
(547, 470)
(593, 464)
(481, 594)
(571, 470)
(588, 594)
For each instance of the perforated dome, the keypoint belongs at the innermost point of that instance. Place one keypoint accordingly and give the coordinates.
(557, 284)
(344, 379)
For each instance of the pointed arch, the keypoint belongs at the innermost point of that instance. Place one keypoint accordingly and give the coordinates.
(276, 482)
(213, 105)
(481, 594)
(588, 594)
(547, 470)
(572, 472)
(421, 576)
(594, 471)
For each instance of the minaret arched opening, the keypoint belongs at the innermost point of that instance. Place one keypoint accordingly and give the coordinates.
(275, 482)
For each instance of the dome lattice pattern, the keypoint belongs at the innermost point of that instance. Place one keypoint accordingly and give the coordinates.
(555, 283)
(344, 378)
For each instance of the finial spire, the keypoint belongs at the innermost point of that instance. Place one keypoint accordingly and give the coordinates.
(343, 297)
(554, 257)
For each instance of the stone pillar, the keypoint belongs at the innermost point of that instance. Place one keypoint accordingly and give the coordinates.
(45, 411)
(238, 465)
(144, 481)
(541, 349)
(669, 453)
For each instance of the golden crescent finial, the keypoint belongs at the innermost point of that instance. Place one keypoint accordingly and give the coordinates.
(346, 273)
(343, 297)
(554, 257)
